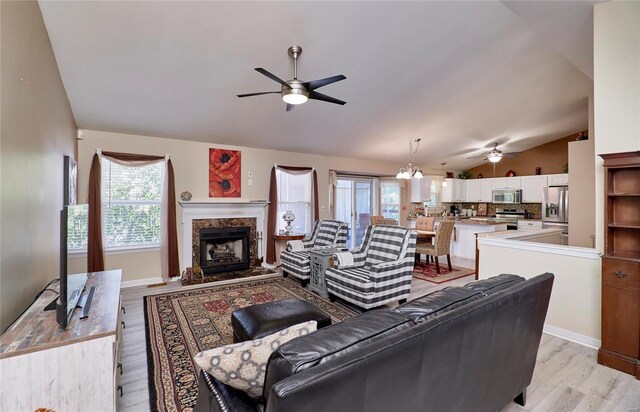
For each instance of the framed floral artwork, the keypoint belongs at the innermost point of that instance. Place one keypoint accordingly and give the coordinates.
(224, 173)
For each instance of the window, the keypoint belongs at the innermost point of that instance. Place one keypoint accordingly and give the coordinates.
(436, 185)
(294, 193)
(77, 227)
(390, 199)
(131, 199)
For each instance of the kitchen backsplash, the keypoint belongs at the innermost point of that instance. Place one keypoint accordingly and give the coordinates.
(534, 208)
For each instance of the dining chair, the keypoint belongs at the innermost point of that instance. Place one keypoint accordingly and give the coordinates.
(441, 245)
(377, 220)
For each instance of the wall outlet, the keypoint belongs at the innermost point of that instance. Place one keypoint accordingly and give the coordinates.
(250, 182)
(323, 208)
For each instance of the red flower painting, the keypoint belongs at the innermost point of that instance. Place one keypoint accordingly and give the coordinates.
(224, 173)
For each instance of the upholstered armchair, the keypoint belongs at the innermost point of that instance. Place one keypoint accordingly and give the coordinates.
(441, 245)
(377, 272)
(325, 234)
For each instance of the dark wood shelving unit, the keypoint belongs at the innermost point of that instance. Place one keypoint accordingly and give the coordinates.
(621, 264)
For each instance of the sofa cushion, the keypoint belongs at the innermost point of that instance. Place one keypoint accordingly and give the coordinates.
(438, 302)
(331, 342)
(243, 365)
(495, 284)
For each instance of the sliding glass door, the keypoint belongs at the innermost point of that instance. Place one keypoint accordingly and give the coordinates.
(354, 205)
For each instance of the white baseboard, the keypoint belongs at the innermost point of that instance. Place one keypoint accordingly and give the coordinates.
(141, 282)
(572, 336)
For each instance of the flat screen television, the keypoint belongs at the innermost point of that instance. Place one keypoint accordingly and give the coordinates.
(73, 229)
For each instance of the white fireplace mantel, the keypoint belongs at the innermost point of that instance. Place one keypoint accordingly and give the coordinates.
(218, 209)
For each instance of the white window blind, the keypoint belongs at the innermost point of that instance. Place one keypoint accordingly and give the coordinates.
(77, 227)
(294, 193)
(131, 199)
(390, 199)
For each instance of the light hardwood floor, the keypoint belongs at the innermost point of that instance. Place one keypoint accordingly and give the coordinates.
(566, 378)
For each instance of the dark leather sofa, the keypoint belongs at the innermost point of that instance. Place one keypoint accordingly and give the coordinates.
(470, 348)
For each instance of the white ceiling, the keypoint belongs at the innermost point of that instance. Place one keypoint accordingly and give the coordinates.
(459, 75)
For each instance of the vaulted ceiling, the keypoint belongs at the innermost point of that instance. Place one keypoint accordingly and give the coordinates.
(459, 75)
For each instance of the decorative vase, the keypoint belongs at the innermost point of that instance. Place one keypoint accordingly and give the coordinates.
(511, 173)
(289, 217)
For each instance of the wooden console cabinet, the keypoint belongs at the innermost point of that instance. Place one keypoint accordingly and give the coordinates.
(621, 264)
(72, 369)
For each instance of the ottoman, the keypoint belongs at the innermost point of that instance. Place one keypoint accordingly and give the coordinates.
(257, 321)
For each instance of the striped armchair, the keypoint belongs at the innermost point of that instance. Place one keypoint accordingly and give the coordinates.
(326, 233)
(382, 268)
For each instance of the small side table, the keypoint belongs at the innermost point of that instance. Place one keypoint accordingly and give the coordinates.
(320, 260)
(281, 243)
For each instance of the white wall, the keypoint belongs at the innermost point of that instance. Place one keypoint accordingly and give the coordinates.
(575, 298)
(190, 162)
(616, 58)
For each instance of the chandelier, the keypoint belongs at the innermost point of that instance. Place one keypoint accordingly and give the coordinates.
(411, 171)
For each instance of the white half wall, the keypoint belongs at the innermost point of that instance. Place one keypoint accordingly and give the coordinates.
(574, 309)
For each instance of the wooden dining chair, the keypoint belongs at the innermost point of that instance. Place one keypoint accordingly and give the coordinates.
(441, 245)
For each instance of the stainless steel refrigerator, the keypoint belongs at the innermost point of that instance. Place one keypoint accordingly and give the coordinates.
(555, 209)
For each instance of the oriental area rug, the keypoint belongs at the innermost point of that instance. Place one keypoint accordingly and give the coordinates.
(181, 324)
(428, 272)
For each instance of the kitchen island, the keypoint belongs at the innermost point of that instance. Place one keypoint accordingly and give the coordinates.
(463, 243)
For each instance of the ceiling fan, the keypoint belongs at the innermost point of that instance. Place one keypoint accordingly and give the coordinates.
(296, 91)
(495, 155)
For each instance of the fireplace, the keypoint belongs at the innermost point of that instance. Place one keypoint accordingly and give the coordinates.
(224, 249)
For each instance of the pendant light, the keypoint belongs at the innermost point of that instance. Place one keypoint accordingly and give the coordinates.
(411, 171)
(444, 175)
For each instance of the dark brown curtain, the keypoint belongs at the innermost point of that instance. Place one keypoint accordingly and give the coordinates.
(273, 207)
(95, 256)
(271, 219)
(131, 157)
(172, 231)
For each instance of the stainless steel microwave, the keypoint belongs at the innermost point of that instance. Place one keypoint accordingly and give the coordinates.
(507, 196)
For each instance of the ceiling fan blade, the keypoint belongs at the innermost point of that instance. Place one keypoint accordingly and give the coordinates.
(512, 154)
(270, 75)
(316, 84)
(256, 94)
(290, 107)
(477, 157)
(319, 96)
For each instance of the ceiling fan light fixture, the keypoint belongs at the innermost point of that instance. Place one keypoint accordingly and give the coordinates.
(418, 174)
(295, 96)
(494, 157)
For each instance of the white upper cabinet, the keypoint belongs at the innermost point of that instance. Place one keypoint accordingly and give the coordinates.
(454, 191)
(500, 183)
(558, 180)
(486, 190)
(472, 190)
(532, 187)
(478, 190)
(421, 190)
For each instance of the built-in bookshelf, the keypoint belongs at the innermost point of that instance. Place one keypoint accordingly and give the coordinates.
(621, 264)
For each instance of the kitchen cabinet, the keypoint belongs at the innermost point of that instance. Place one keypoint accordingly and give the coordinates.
(501, 183)
(478, 190)
(558, 180)
(454, 191)
(532, 188)
(421, 190)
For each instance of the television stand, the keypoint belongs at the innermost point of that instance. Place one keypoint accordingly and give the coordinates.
(79, 360)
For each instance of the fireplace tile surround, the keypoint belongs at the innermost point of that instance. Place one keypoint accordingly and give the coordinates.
(197, 215)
